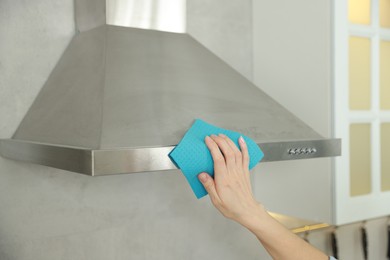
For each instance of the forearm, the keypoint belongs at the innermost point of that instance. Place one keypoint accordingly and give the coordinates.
(280, 242)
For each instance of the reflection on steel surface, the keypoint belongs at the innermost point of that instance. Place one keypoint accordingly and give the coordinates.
(162, 15)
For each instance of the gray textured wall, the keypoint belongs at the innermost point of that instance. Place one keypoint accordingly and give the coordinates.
(51, 214)
(225, 27)
(292, 63)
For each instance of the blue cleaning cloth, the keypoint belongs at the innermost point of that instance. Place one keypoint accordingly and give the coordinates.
(192, 156)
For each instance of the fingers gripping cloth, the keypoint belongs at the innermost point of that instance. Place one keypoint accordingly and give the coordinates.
(192, 156)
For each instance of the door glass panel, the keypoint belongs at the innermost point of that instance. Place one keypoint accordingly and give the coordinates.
(360, 159)
(385, 75)
(384, 8)
(359, 73)
(359, 11)
(385, 156)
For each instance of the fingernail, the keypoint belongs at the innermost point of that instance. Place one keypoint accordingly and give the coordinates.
(202, 177)
(222, 135)
(207, 137)
(213, 135)
(241, 139)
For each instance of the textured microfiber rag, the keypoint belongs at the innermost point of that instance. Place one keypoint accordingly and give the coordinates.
(192, 156)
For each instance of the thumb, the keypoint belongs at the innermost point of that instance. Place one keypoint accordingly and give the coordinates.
(209, 185)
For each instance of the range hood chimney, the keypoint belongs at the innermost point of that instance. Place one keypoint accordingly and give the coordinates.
(120, 98)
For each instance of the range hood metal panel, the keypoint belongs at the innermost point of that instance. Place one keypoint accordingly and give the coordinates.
(68, 110)
(122, 87)
(123, 97)
(157, 83)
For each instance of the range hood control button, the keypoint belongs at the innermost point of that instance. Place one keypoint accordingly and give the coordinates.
(304, 150)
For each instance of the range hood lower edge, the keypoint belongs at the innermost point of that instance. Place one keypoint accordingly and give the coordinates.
(132, 160)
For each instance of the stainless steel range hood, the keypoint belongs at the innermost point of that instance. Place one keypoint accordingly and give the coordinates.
(121, 98)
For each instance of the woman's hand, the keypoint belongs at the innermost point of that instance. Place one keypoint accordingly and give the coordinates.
(231, 194)
(231, 191)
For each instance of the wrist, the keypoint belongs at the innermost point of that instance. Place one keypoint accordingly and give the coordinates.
(254, 218)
